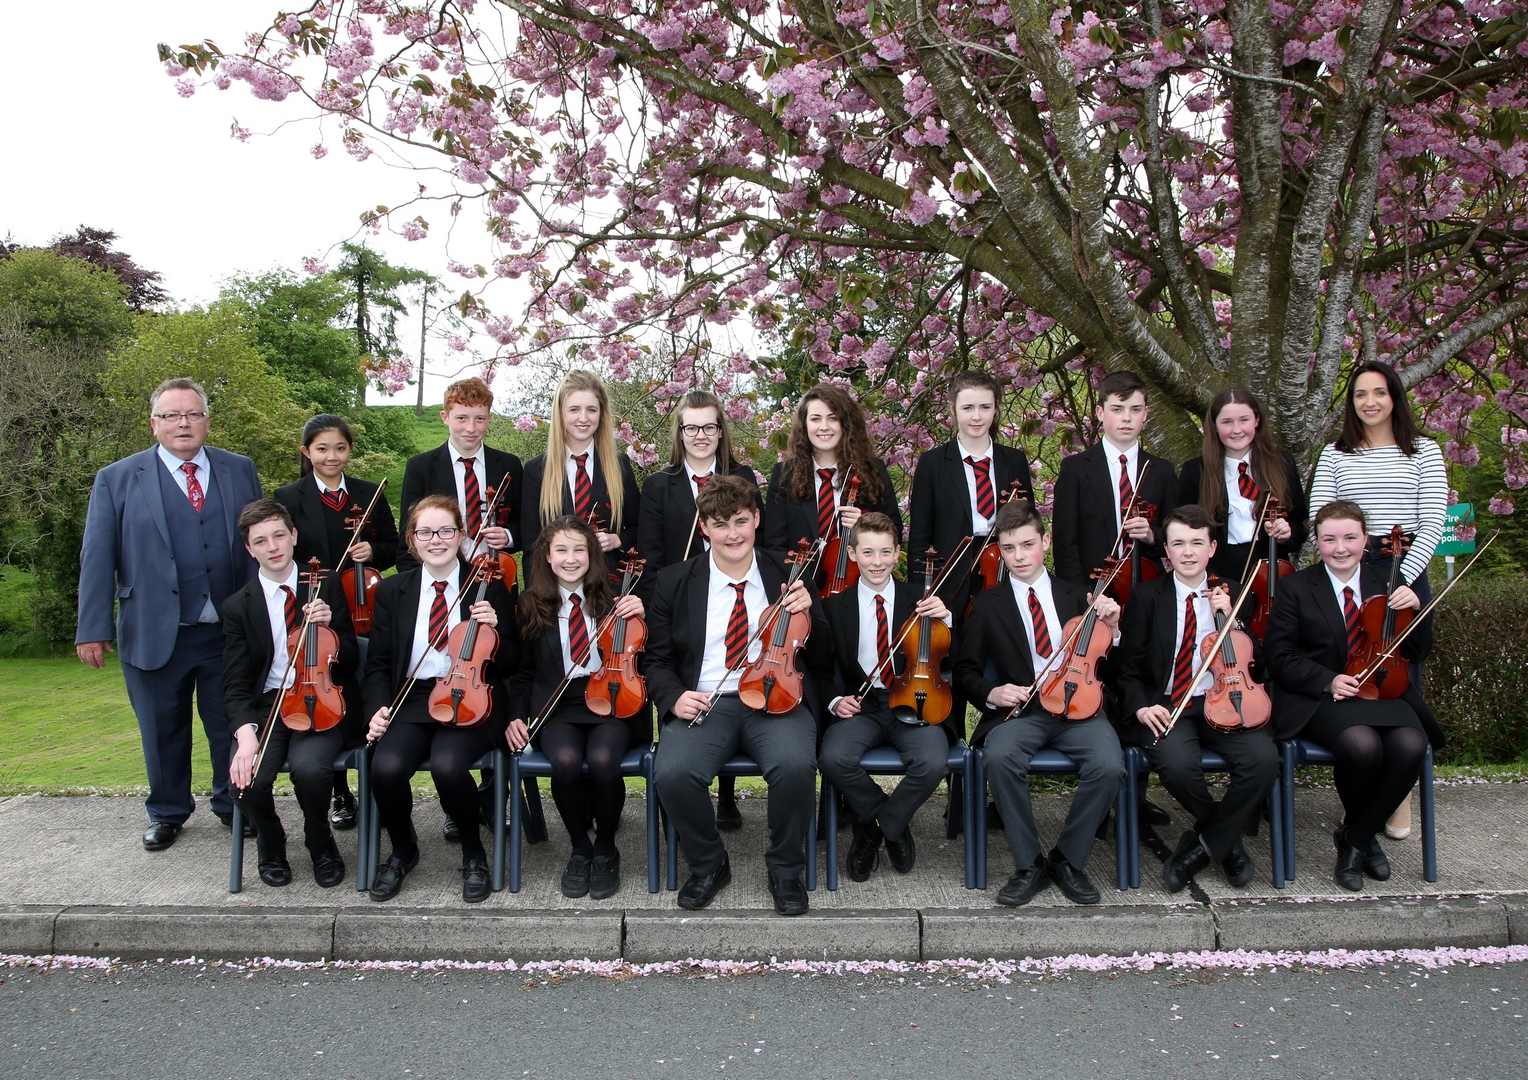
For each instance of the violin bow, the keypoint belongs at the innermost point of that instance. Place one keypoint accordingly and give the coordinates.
(360, 524)
(799, 570)
(822, 541)
(1015, 491)
(938, 583)
(1395, 642)
(1056, 655)
(1262, 516)
(1207, 657)
(275, 713)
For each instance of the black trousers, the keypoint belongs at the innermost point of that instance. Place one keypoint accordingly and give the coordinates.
(924, 751)
(311, 756)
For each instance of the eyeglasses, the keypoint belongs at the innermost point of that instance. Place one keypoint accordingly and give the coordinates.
(424, 536)
(178, 418)
(708, 430)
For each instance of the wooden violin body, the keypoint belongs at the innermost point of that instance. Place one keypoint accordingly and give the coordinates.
(1381, 625)
(921, 693)
(772, 683)
(1141, 569)
(1073, 689)
(839, 572)
(618, 689)
(507, 571)
(1235, 701)
(462, 696)
(1263, 587)
(360, 584)
(313, 702)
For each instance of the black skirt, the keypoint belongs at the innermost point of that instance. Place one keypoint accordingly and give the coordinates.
(1332, 718)
(572, 709)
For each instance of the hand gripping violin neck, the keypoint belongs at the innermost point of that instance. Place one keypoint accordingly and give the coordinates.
(618, 689)
(921, 693)
(361, 582)
(463, 697)
(772, 683)
(313, 702)
(838, 572)
(1235, 701)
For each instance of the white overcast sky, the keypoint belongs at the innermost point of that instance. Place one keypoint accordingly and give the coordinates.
(95, 134)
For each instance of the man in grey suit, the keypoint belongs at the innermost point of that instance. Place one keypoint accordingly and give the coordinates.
(161, 540)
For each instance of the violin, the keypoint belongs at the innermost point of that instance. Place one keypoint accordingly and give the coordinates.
(921, 693)
(1235, 701)
(772, 683)
(990, 568)
(1141, 568)
(360, 581)
(1381, 625)
(1264, 583)
(1073, 689)
(462, 697)
(617, 689)
(507, 569)
(838, 572)
(313, 702)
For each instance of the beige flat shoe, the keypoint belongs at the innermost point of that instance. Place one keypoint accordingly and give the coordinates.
(1399, 825)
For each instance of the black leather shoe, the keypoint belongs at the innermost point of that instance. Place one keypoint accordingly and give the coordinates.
(1376, 864)
(700, 889)
(329, 868)
(728, 816)
(275, 872)
(342, 812)
(1023, 886)
(1072, 881)
(451, 831)
(249, 826)
(1152, 814)
(1349, 873)
(1188, 860)
(902, 853)
(475, 886)
(789, 894)
(864, 853)
(1239, 867)
(390, 876)
(575, 879)
(605, 876)
(160, 835)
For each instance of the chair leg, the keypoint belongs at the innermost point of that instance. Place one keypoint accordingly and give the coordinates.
(811, 850)
(1134, 763)
(653, 883)
(1122, 837)
(978, 799)
(516, 822)
(1291, 752)
(1429, 822)
(967, 818)
(236, 854)
(952, 826)
(1276, 833)
(500, 833)
(535, 818)
(670, 851)
(829, 803)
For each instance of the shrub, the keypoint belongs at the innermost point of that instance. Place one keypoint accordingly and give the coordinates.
(1476, 680)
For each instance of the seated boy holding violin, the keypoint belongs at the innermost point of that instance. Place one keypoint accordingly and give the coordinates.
(1160, 650)
(1014, 638)
(864, 623)
(703, 638)
(257, 623)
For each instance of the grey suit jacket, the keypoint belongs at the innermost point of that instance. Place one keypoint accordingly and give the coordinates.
(126, 553)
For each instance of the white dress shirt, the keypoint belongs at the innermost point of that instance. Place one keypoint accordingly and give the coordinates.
(1353, 583)
(1043, 593)
(1204, 618)
(1241, 513)
(435, 661)
(980, 524)
(817, 482)
(323, 487)
(564, 613)
(275, 609)
(691, 474)
(572, 468)
(713, 664)
(204, 477)
(480, 469)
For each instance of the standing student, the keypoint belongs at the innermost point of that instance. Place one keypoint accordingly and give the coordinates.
(958, 489)
(321, 502)
(864, 622)
(590, 479)
(162, 546)
(808, 486)
(257, 621)
(415, 612)
(1161, 634)
(704, 615)
(1379, 744)
(1383, 462)
(1014, 633)
(1240, 466)
(669, 531)
(559, 613)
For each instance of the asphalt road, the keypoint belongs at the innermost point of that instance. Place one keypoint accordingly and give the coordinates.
(205, 1022)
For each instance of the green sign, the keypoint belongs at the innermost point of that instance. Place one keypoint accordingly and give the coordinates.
(1458, 514)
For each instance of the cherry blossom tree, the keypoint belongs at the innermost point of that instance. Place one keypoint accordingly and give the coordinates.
(1205, 191)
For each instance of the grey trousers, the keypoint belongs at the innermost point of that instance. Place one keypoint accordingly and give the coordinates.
(1092, 744)
(925, 753)
(689, 758)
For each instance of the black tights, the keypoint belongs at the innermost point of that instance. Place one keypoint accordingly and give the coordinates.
(1376, 768)
(601, 794)
(451, 752)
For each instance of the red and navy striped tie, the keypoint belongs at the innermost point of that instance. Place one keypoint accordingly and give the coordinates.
(1244, 482)
(334, 500)
(882, 640)
(826, 503)
(439, 617)
(986, 498)
(578, 632)
(1042, 631)
(737, 628)
(1355, 627)
(1125, 490)
(293, 617)
(472, 496)
(1183, 667)
(583, 487)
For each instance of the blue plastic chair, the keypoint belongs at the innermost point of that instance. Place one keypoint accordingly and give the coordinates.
(495, 760)
(1294, 752)
(1136, 766)
(358, 759)
(525, 810)
(885, 760)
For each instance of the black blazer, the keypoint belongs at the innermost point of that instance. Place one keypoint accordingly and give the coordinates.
(302, 501)
(1230, 559)
(786, 521)
(1086, 500)
(392, 640)
(940, 506)
(540, 670)
(994, 634)
(433, 473)
(842, 613)
(676, 630)
(1307, 647)
(248, 653)
(667, 522)
(631, 500)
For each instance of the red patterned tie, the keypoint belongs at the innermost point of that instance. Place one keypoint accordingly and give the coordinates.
(583, 489)
(1042, 631)
(986, 499)
(1125, 490)
(473, 496)
(882, 640)
(293, 618)
(700, 480)
(737, 628)
(193, 487)
(1244, 482)
(334, 500)
(826, 503)
(1350, 616)
(1183, 667)
(439, 616)
(578, 631)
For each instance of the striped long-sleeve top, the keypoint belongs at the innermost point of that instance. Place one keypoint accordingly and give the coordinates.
(1392, 489)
